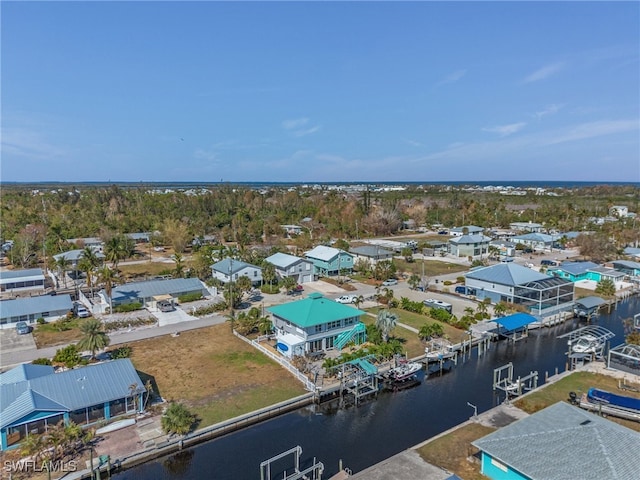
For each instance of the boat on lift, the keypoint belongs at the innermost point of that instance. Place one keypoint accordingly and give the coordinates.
(404, 371)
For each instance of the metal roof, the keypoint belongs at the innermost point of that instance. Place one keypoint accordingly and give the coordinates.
(29, 273)
(590, 302)
(314, 310)
(470, 228)
(25, 371)
(34, 305)
(284, 260)
(510, 274)
(564, 442)
(515, 321)
(467, 239)
(152, 288)
(69, 390)
(534, 237)
(371, 251)
(75, 255)
(576, 268)
(626, 264)
(231, 266)
(324, 253)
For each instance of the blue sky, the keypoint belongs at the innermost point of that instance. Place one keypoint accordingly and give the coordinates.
(322, 91)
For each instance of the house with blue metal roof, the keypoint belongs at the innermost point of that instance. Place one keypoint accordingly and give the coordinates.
(371, 254)
(34, 397)
(230, 269)
(627, 267)
(148, 293)
(301, 269)
(315, 323)
(560, 442)
(632, 252)
(537, 241)
(541, 294)
(469, 245)
(329, 261)
(466, 230)
(74, 256)
(21, 280)
(29, 309)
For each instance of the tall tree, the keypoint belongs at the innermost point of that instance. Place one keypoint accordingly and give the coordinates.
(106, 276)
(94, 338)
(89, 261)
(386, 322)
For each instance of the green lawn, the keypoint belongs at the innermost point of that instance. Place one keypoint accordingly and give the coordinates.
(432, 268)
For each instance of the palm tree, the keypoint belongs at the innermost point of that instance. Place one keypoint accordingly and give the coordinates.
(106, 276)
(115, 250)
(386, 321)
(358, 301)
(88, 262)
(177, 419)
(499, 309)
(179, 259)
(94, 337)
(288, 283)
(62, 264)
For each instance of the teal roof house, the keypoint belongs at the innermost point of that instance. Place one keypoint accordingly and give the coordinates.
(35, 398)
(561, 442)
(541, 294)
(577, 271)
(315, 324)
(329, 261)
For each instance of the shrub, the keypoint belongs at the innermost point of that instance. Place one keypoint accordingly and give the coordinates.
(68, 356)
(41, 321)
(448, 282)
(460, 279)
(41, 361)
(122, 324)
(209, 309)
(190, 297)
(266, 288)
(121, 352)
(128, 307)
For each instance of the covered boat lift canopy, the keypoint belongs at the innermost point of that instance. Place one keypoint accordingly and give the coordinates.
(511, 325)
(587, 306)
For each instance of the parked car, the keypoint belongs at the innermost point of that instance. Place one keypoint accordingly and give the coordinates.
(549, 263)
(22, 328)
(390, 281)
(461, 289)
(346, 299)
(80, 311)
(166, 306)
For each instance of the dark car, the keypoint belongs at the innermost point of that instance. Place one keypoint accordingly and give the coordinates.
(22, 328)
(549, 263)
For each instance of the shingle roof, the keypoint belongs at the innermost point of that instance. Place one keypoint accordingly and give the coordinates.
(314, 310)
(510, 274)
(563, 442)
(69, 390)
(153, 288)
(34, 305)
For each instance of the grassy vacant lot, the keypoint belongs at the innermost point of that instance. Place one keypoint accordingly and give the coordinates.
(432, 268)
(143, 270)
(578, 382)
(49, 334)
(451, 451)
(216, 374)
(413, 346)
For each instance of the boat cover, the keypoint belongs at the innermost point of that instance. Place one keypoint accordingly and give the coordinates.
(601, 396)
(515, 321)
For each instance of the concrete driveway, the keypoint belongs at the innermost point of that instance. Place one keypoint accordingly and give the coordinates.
(10, 341)
(171, 318)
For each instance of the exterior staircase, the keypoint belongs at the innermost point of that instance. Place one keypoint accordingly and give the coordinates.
(345, 337)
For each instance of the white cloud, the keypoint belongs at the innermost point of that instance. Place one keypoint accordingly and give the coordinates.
(29, 144)
(452, 77)
(544, 72)
(298, 127)
(548, 110)
(206, 155)
(505, 130)
(592, 130)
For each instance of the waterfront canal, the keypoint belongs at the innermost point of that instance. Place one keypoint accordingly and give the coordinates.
(364, 435)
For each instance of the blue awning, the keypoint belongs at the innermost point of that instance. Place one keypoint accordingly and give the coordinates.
(515, 321)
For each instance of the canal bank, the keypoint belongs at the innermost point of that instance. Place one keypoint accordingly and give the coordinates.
(379, 429)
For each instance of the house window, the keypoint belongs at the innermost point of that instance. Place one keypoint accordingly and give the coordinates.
(318, 328)
(348, 321)
(255, 273)
(334, 324)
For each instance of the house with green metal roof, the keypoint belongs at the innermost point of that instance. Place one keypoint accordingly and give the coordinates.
(315, 324)
(34, 398)
(541, 294)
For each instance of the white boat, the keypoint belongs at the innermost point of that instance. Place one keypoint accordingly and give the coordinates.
(403, 371)
(585, 344)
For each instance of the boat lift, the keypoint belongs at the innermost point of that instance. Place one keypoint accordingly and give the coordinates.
(597, 335)
(314, 472)
(505, 382)
(358, 378)
(439, 352)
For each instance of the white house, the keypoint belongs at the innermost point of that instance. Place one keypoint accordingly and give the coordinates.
(466, 230)
(21, 280)
(229, 269)
(469, 245)
(287, 265)
(526, 227)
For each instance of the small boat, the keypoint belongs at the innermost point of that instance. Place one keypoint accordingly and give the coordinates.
(585, 344)
(403, 371)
